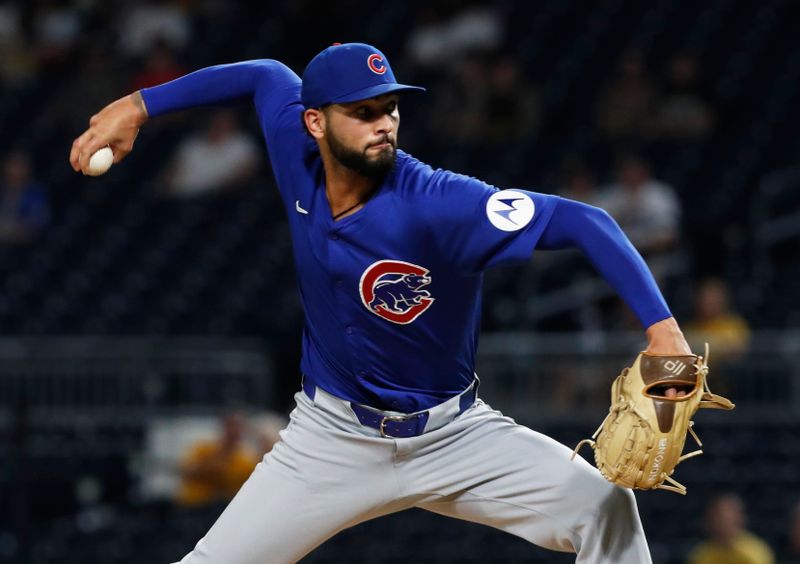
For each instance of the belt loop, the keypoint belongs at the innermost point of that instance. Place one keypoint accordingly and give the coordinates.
(469, 396)
(309, 388)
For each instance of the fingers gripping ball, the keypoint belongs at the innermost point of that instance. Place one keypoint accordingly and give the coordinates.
(641, 440)
(100, 162)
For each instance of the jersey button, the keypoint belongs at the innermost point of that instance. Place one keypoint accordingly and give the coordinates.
(348, 330)
(333, 236)
(339, 283)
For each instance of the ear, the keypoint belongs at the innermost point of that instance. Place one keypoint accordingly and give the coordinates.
(315, 122)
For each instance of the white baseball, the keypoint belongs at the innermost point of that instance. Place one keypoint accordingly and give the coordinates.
(100, 162)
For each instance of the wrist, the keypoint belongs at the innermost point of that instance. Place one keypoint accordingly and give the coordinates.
(668, 326)
(665, 337)
(140, 107)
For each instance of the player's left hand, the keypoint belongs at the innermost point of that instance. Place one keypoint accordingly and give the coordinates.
(666, 338)
(653, 401)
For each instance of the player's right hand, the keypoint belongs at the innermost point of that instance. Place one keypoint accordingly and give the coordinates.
(116, 125)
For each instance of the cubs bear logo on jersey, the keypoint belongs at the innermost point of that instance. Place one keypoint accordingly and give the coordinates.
(393, 290)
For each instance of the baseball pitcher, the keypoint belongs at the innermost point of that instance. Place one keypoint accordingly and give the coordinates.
(390, 255)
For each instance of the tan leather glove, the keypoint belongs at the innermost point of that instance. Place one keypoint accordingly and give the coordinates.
(641, 441)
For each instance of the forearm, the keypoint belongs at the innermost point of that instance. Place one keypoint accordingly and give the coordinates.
(117, 125)
(594, 232)
(208, 86)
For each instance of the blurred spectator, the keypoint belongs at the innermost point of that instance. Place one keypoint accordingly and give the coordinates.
(23, 201)
(144, 24)
(577, 382)
(578, 183)
(18, 63)
(57, 27)
(266, 431)
(160, 65)
(715, 322)
(468, 93)
(626, 107)
(487, 104)
(512, 104)
(791, 553)
(728, 540)
(96, 81)
(447, 31)
(647, 210)
(683, 110)
(213, 471)
(223, 156)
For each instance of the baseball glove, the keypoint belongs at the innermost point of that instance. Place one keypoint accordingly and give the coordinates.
(641, 440)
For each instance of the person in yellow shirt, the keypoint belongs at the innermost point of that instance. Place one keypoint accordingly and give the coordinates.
(729, 541)
(791, 549)
(214, 470)
(716, 322)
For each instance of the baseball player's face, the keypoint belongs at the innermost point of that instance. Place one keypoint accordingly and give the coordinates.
(363, 135)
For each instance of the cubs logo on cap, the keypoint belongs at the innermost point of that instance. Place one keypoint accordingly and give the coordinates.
(375, 63)
(395, 290)
(348, 72)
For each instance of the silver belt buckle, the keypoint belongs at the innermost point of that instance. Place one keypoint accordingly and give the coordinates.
(390, 418)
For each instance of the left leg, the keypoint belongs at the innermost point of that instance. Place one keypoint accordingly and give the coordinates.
(323, 476)
(485, 468)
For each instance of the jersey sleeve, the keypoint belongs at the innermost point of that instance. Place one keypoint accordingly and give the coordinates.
(271, 85)
(264, 79)
(277, 101)
(480, 226)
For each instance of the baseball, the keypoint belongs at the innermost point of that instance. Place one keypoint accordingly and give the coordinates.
(100, 162)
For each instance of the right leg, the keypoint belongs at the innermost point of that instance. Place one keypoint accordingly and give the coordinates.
(311, 486)
(484, 467)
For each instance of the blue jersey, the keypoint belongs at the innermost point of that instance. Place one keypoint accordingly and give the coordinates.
(392, 293)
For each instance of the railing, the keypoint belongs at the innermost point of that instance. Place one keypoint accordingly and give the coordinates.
(587, 291)
(127, 379)
(529, 376)
(537, 377)
(771, 219)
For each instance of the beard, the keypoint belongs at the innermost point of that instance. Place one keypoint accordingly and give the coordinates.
(374, 167)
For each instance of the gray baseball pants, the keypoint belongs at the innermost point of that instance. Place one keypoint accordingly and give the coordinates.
(329, 473)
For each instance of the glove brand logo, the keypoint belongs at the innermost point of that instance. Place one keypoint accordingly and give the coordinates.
(376, 64)
(510, 210)
(659, 458)
(393, 290)
(675, 366)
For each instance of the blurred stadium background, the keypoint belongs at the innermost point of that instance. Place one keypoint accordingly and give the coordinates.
(153, 299)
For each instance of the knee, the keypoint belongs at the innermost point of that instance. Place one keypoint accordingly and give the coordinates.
(609, 499)
(621, 501)
(614, 509)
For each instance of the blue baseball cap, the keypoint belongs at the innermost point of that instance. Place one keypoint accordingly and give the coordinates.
(348, 72)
